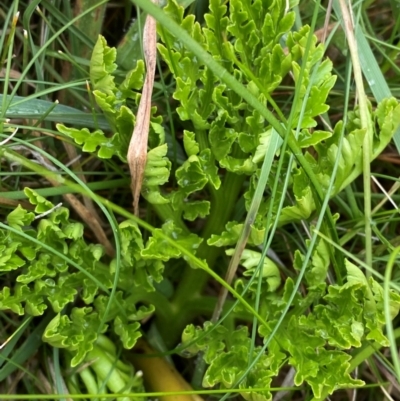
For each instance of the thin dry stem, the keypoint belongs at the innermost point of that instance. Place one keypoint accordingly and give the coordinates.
(73, 155)
(325, 29)
(85, 214)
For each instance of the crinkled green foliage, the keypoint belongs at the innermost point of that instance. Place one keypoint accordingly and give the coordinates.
(113, 99)
(189, 142)
(322, 368)
(95, 141)
(156, 173)
(157, 247)
(314, 343)
(211, 344)
(304, 200)
(77, 333)
(254, 41)
(270, 272)
(44, 280)
(344, 317)
(318, 267)
(228, 354)
(143, 272)
(42, 204)
(116, 101)
(386, 118)
(232, 234)
(247, 44)
(249, 40)
(103, 366)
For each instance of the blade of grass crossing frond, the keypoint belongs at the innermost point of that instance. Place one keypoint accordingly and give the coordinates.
(362, 354)
(305, 262)
(10, 343)
(388, 317)
(268, 239)
(56, 191)
(269, 236)
(218, 70)
(275, 143)
(193, 259)
(351, 256)
(85, 209)
(105, 203)
(53, 251)
(300, 276)
(106, 212)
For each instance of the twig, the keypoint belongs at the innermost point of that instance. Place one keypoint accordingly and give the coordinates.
(325, 30)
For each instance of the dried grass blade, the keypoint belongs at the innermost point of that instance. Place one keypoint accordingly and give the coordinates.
(137, 152)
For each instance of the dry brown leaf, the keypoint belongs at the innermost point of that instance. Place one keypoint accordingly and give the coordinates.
(73, 155)
(137, 152)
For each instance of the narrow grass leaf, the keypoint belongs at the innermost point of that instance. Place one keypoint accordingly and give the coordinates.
(37, 108)
(275, 143)
(26, 350)
(12, 340)
(388, 312)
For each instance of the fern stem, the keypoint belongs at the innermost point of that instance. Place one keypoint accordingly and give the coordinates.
(194, 280)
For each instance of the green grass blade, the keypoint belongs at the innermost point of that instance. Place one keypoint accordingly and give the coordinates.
(36, 108)
(6, 349)
(26, 350)
(388, 317)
